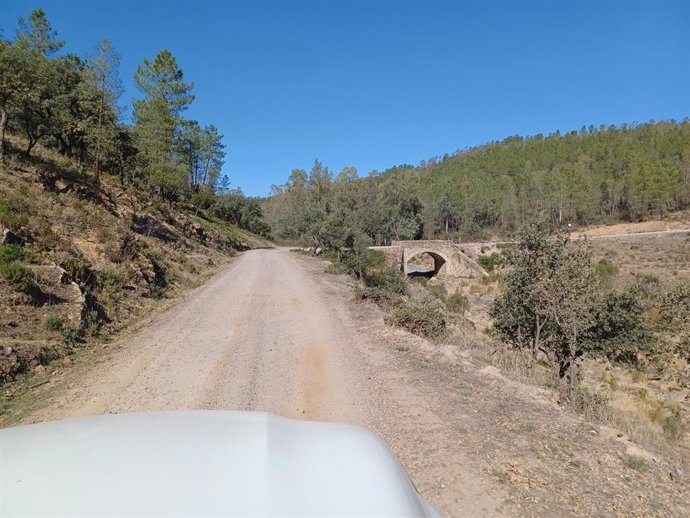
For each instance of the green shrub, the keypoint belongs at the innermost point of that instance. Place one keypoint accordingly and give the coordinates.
(376, 295)
(9, 253)
(606, 271)
(619, 331)
(366, 262)
(109, 281)
(9, 218)
(202, 200)
(331, 255)
(673, 424)
(159, 283)
(92, 322)
(70, 335)
(421, 318)
(388, 280)
(592, 404)
(647, 284)
(490, 262)
(79, 270)
(674, 304)
(55, 322)
(420, 280)
(497, 277)
(20, 277)
(438, 290)
(457, 303)
(637, 463)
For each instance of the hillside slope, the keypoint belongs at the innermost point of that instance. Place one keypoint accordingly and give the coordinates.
(79, 262)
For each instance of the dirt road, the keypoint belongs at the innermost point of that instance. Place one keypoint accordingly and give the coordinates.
(257, 337)
(266, 334)
(272, 332)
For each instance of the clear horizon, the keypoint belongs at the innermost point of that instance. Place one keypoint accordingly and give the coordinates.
(374, 85)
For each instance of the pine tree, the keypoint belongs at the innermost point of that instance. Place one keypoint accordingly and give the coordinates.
(158, 121)
(100, 90)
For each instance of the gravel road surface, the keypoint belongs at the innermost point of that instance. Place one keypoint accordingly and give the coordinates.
(272, 333)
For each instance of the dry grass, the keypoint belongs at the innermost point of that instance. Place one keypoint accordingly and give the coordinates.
(621, 398)
(119, 268)
(650, 411)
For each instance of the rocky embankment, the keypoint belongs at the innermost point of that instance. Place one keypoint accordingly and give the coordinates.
(80, 261)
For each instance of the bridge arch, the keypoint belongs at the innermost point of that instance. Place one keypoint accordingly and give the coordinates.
(439, 262)
(449, 259)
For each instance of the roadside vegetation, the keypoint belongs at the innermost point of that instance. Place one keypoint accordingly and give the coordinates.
(99, 219)
(613, 347)
(604, 338)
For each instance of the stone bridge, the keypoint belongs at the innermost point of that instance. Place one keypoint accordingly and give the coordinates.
(449, 259)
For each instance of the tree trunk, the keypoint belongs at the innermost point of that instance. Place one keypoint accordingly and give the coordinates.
(537, 338)
(30, 146)
(3, 122)
(572, 368)
(98, 144)
(572, 375)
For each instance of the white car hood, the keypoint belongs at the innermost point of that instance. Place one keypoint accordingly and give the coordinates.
(201, 463)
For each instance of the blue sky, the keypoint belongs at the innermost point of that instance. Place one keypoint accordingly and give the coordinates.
(372, 84)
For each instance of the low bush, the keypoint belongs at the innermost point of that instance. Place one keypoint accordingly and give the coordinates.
(70, 335)
(55, 322)
(109, 281)
(637, 463)
(674, 305)
(619, 331)
(490, 262)
(592, 404)
(79, 270)
(331, 255)
(202, 200)
(389, 280)
(457, 303)
(9, 218)
(9, 253)
(673, 424)
(438, 290)
(422, 318)
(20, 277)
(366, 262)
(606, 271)
(378, 296)
(493, 277)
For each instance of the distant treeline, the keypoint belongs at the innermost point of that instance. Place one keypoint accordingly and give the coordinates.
(608, 174)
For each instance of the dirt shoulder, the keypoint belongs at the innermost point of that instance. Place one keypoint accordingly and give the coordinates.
(454, 416)
(677, 222)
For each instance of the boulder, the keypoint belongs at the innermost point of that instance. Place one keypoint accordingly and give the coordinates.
(7, 237)
(62, 186)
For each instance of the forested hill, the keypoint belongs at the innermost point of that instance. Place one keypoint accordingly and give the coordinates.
(609, 174)
(593, 175)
